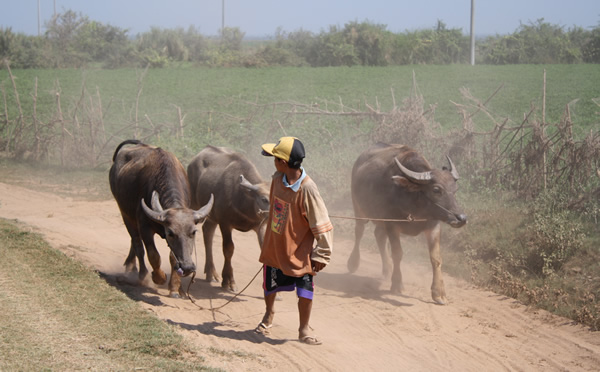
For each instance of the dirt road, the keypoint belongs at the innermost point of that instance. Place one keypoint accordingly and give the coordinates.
(363, 326)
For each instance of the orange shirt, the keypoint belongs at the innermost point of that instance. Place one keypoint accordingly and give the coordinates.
(296, 219)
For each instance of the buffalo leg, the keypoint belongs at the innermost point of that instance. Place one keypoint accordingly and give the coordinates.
(130, 264)
(208, 233)
(228, 249)
(136, 249)
(381, 239)
(394, 236)
(438, 291)
(158, 276)
(354, 259)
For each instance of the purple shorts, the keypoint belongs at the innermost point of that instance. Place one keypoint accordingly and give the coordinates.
(274, 280)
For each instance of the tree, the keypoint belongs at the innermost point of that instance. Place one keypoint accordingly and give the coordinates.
(369, 41)
(103, 43)
(62, 31)
(591, 47)
(231, 39)
(537, 42)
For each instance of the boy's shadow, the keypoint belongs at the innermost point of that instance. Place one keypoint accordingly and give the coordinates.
(212, 328)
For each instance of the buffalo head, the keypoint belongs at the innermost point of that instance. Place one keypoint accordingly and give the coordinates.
(179, 230)
(260, 195)
(439, 189)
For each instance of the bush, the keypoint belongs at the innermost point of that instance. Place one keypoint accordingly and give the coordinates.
(553, 236)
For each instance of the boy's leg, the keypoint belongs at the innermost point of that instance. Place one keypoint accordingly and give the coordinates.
(270, 309)
(304, 310)
(267, 320)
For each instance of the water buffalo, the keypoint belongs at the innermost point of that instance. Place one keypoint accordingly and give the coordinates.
(396, 182)
(241, 202)
(143, 174)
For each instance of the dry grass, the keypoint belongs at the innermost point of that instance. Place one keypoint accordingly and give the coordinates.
(59, 315)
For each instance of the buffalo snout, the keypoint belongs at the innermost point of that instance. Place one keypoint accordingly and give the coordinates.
(184, 269)
(459, 220)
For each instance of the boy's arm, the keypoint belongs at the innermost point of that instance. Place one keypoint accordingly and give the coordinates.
(320, 225)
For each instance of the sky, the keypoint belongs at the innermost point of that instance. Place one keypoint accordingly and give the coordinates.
(261, 18)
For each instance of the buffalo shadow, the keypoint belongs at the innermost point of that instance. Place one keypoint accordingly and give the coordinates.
(349, 285)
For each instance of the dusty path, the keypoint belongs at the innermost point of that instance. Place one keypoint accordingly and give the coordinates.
(363, 326)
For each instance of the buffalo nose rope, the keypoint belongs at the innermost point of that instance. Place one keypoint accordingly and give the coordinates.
(226, 303)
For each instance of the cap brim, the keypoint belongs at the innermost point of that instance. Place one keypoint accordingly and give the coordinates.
(267, 149)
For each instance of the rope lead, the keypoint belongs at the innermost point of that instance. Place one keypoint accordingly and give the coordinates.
(226, 303)
(408, 219)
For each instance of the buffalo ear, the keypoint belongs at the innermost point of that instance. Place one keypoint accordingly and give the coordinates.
(405, 183)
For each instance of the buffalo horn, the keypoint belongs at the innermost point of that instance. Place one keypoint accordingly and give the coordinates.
(453, 170)
(419, 177)
(204, 211)
(244, 182)
(156, 213)
(156, 202)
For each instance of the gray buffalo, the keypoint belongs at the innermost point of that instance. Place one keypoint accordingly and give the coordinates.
(394, 182)
(142, 175)
(241, 202)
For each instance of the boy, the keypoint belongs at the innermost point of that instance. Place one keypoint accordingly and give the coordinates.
(297, 217)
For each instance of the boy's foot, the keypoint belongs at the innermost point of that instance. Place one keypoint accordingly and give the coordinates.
(310, 340)
(263, 329)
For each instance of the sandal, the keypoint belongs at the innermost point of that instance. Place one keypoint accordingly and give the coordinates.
(310, 340)
(263, 329)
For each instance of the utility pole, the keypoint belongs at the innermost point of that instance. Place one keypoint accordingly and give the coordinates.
(39, 27)
(472, 32)
(222, 18)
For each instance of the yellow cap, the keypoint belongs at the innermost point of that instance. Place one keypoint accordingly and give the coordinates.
(289, 149)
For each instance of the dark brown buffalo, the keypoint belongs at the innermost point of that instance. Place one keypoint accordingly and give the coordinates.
(396, 182)
(241, 202)
(142, 175)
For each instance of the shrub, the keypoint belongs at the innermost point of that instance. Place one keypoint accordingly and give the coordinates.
(554, 235)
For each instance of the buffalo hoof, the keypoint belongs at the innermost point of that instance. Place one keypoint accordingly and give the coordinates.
(397, 289)
(231, 287)
(159, 277)
(353, 262)
(212, 277)
(130, 268)
(440, 300)
(142, 276)
(173, 294)
(439, 295)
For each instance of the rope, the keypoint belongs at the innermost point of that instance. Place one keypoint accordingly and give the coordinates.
(408, 219)
(226, 303)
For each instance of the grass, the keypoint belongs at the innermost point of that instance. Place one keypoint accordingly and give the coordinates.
(81, 184)
(59, 315)
(492, 251)
(205, 89)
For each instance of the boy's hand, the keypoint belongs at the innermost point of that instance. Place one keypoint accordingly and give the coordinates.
(317, 266)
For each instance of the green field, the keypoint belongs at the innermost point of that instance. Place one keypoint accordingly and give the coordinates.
(204, 89)
(242, 108)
